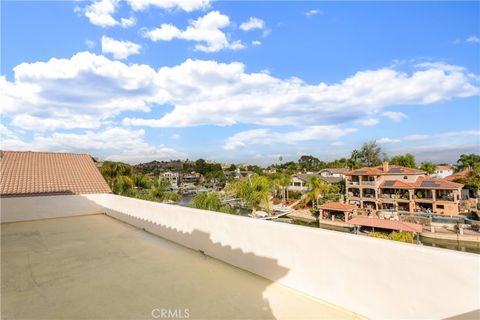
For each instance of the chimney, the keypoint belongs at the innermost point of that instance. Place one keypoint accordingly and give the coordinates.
(385, 165)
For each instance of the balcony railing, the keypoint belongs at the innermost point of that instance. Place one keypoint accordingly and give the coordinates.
(445, 197)
(369, 195)
(369, 183)
(395, 196)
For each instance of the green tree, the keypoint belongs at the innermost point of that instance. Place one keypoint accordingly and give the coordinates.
(468, 161)
(159, 187)
(122, 185)
(310, 163)
(428, 167)
(141, 181)
(111, 170)
(370, 154)
(318, 188)
(407, 160)
(254, 190)
(472, 180)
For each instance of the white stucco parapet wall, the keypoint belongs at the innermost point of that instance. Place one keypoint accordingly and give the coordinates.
(376, 278)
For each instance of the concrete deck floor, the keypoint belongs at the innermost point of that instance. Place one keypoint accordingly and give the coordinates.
(92, 267)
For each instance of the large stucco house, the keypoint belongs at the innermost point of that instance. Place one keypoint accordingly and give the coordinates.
(406, 189)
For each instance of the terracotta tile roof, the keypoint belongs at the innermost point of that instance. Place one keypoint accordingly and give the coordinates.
(443, 168)
(378, 170)
(422, 182)
(459, 175)
(338, 206)
(397, 184)
(386, 224)
(47, 173)
(431, 183)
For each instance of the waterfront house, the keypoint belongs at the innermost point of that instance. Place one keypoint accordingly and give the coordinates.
(300, 180)
(173, 178)
(443, 171)
(189, 179)
(401, 188)
(333, 174)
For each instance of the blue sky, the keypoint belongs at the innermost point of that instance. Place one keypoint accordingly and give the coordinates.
(240, 81)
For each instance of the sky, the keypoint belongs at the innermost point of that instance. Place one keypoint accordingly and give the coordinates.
(237, 82)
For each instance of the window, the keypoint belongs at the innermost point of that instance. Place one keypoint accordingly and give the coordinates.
(440, 206)
(405, 177)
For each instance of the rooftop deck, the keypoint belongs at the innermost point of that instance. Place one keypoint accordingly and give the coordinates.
(98, 267)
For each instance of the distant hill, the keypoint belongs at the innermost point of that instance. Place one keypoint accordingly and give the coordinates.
(155, 167)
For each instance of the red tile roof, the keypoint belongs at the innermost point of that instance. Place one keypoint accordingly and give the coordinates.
(422, 182)
(392, 169)
(459, 175)
(48, 173)
(337, 206)
(442, 168)
(386, 224)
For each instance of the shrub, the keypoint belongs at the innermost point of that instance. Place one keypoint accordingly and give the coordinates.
(378, 235)
(402, 236)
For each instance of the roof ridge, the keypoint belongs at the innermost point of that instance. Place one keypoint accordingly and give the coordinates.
(46, 152)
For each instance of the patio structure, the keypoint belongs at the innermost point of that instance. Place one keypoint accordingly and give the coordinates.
(335, 208)
(384, 224)
(109, 256)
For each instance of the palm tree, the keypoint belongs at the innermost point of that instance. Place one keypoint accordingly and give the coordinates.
(284, 182)
(253, 190)
(318, 188)
(112, 170)
(160, 186)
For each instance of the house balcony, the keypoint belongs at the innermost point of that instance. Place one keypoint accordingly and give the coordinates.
(352, 183)
(108, 256)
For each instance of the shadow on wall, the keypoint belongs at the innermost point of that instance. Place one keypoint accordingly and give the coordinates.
(243, 290)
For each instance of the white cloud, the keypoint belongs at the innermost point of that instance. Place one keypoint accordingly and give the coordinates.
(128, 22)
(119, 49)
(126, 144)
(100, 13)
(313, 12)
(252, 23)
(395, 116)
(256, 43)
(226, 95)
(185, 5)
(473, 39)
(368, 122)
(206, 30)
(266, 136)
(434, 138)
(80, 92)
(416, 137)
(176, 136)
(87, 90)
(388, 140)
